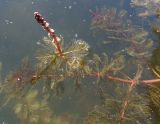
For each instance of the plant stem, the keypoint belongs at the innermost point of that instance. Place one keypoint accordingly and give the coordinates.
(39, 18)
(120, 79)
(151, 81)
(56, 42)
(126, 103)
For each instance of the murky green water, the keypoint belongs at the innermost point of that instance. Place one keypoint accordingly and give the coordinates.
(83, 86)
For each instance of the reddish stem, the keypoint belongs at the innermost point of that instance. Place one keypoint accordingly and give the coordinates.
(120, 79)
(130, 82)
(53, 34)
(125, 105)
(152, 81)
(39, 18)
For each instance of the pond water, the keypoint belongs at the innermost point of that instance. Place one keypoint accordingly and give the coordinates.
(108, 71)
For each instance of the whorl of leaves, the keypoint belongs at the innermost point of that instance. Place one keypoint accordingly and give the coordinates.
(137, 112)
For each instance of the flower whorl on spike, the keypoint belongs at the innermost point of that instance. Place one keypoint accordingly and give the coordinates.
(51, 32)
(43, 23)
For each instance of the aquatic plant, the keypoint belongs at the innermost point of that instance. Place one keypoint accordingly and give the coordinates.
(134, 36)
(129, 111)
(150, 7)
(107, 19)
(111, 21)
(140, 47)
(123, 103)
(32, 111)
(17, 82)
(58, 68)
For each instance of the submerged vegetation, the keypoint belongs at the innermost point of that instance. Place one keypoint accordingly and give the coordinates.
(148, 7)
(126, 96)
